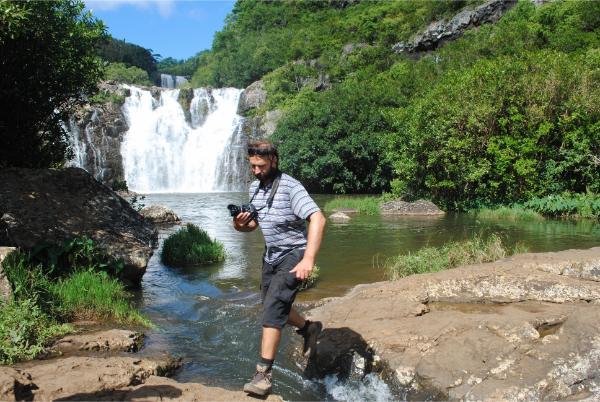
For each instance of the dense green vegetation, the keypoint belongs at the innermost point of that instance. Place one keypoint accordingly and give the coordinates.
(191, 246)
(566, 205)
(515, 213)
(434, 259)
(53, 287)
(507, 113)
(119, 51)
(48, 67)
(120, 72)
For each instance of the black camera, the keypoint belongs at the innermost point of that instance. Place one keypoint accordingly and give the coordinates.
(234, 210)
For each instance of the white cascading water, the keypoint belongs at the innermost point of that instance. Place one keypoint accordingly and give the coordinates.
(163, 153)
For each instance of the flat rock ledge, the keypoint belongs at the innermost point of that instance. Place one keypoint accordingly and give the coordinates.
(522, 328)
(339, 217)
(417, 208)
(112, 340)
(115, 378)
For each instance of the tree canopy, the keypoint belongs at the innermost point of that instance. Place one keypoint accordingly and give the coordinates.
(48, 64)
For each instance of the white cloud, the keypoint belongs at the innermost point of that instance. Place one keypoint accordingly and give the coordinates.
(164, 7)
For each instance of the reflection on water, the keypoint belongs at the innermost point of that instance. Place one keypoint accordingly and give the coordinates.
(210, 315)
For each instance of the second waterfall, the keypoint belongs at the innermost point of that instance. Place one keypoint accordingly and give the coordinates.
(170, 149)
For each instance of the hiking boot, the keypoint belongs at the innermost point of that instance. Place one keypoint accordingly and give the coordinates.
(310, 335)
(261, 383)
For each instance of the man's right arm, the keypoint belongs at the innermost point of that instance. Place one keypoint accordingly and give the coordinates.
(243, 223)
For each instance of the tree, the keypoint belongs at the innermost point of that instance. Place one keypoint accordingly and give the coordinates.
(48, 66)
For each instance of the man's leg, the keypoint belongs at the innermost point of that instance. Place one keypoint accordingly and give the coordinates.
(296, 319)
(270, 342)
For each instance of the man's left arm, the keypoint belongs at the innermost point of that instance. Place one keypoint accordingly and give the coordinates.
(316, 226)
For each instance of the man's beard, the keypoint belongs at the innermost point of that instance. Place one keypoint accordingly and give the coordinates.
(267, 177)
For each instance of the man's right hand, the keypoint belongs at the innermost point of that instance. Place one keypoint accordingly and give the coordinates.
(244, 223)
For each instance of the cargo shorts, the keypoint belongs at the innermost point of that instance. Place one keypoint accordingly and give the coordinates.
(279, 288)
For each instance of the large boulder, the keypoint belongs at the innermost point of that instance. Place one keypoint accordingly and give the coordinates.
(159, 214)
(49, 206)
(253, 97)
(523, 328)
(419, 208)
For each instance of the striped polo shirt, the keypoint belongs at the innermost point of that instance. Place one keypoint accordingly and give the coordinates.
(283, 224)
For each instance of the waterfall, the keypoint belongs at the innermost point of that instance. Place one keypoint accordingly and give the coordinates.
(164, 152)
(171, 81)
(86, 154)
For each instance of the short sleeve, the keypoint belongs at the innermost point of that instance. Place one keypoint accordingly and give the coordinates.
(302, 204)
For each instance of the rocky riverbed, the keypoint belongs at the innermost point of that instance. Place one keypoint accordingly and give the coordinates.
(523, 328)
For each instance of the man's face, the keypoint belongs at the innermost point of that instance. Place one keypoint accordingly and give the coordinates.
(262, 167)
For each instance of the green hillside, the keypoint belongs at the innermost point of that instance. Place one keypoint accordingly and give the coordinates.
(506, 113)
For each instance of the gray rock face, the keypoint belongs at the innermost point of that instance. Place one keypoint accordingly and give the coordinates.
(159, 214)
(440, 31)
(53, 205)
(253, 97)
(261, 127)
(99, 130)
(419, 207)
(5, 288)
(523, 328)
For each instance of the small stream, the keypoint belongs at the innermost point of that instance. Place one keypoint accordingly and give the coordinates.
(210, 315)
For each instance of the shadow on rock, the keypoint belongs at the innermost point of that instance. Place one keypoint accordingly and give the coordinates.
(343, 352)
(145, 392)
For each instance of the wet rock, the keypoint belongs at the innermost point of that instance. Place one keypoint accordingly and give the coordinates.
(14, 385)
(5, 288)
(50, 206)
(440, 31)
(339, 217)
(81, 377)
(114, 340)
(261, 127)
(523, 328)
(159, 214)
(420, 207)
(253, 97)
(185, 100)
(166, 389)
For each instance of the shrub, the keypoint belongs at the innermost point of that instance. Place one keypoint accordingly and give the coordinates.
(450, 255)
(566, 205)
(191, 246)
(25, 330)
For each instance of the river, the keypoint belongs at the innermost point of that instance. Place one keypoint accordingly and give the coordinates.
(210, 315)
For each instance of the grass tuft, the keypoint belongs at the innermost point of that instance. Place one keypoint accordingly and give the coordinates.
(364, 205)
(89, 295)
(515, 213)
(191, 246)
(450, 255)
(311, 281)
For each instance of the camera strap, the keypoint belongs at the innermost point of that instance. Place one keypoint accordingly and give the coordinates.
(274, 188)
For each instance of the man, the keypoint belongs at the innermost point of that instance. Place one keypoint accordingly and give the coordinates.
(283, 207)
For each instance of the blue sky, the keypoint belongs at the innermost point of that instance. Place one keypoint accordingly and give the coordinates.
(177, 29)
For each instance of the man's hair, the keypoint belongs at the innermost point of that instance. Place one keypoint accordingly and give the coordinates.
(262, 148)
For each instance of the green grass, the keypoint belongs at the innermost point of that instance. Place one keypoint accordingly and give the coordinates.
(364, 205)
(191, 246)
(94, 295)
(516, 213)
(42, 301)
(311, 281)
(434, 259)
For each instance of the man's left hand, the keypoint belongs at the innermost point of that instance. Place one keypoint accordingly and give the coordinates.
(303, 269)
